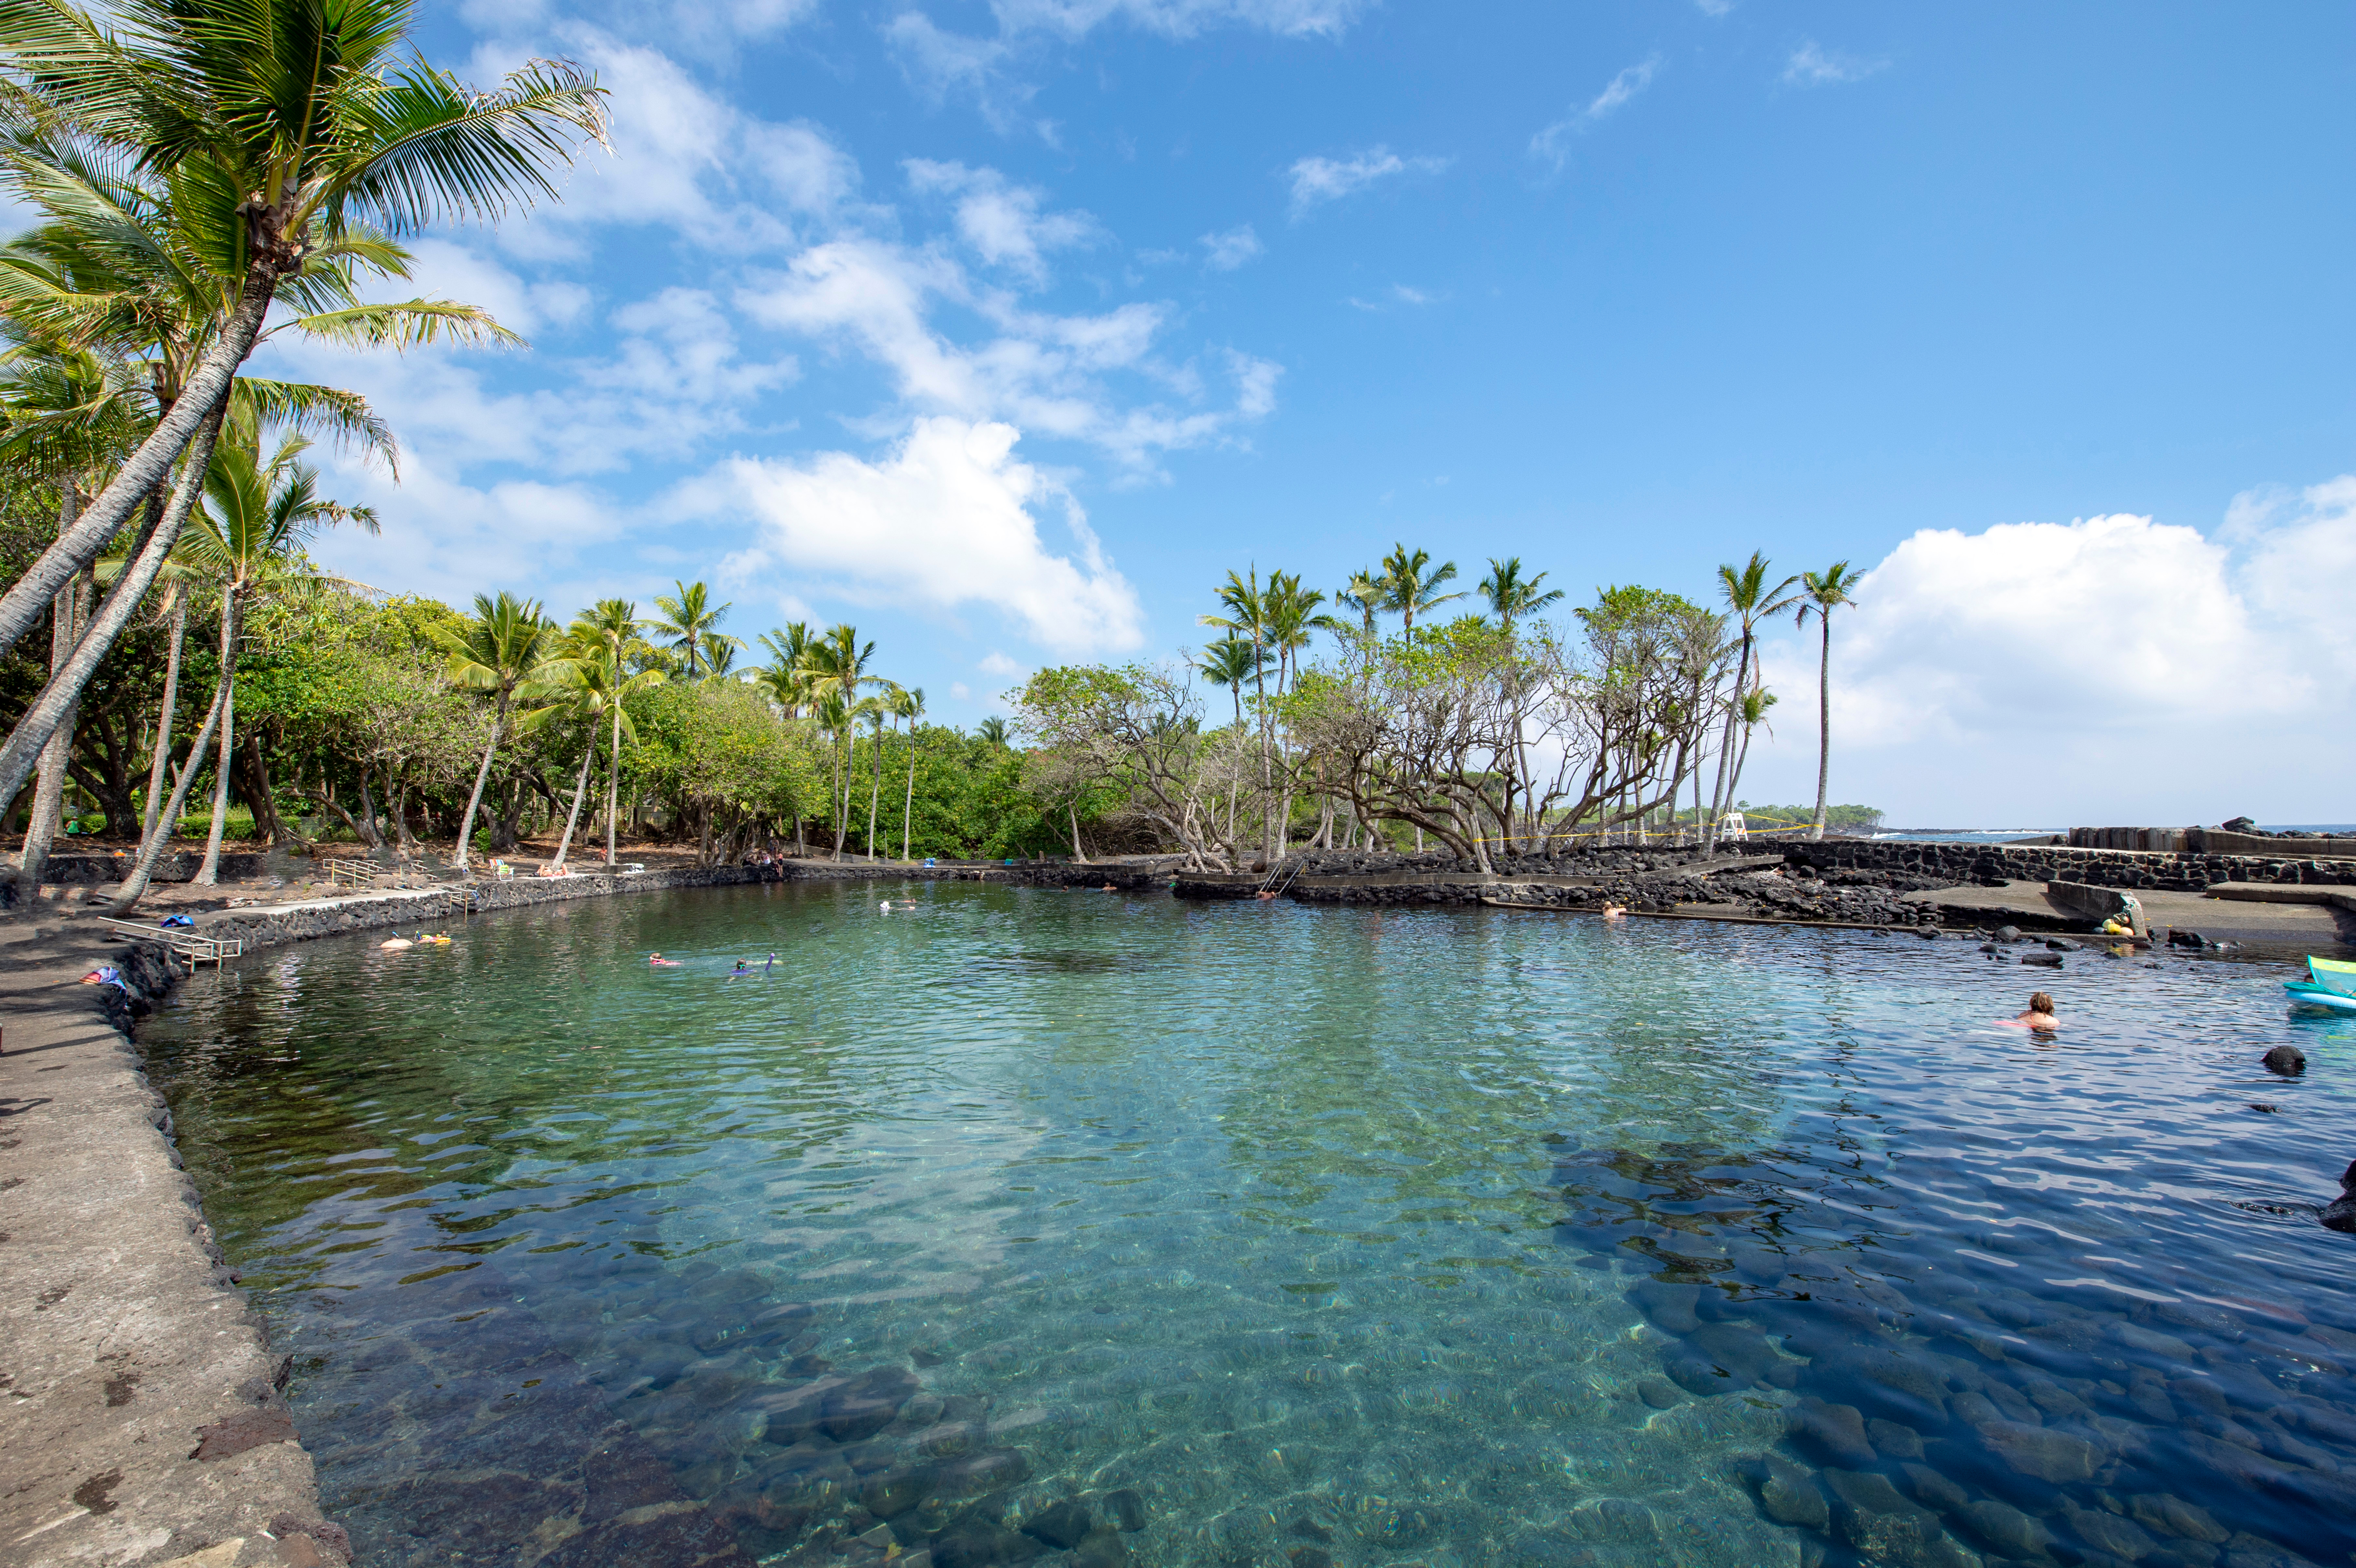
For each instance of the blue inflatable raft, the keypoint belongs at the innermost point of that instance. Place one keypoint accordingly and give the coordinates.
(2329, 983)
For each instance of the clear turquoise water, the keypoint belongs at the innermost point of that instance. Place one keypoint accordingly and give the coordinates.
(1332, 1235)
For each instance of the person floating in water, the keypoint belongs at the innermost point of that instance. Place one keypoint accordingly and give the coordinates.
(2040, 1014)
(738, 973)
(660, 961)
(1614, 912)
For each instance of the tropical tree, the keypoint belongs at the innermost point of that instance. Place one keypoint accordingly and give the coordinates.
(248, 541)
(610, 628)
(1511, 595)
(1230, 662)
(278, 128)
(1365, 593)
(786, 678)
(836, 664)
(689, 620)
(991, 730)
(1822, 592)
(908, 705)
(500, 651)
(1751, 601)
(1410, 583)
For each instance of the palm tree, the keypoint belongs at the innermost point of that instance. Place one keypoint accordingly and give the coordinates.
(1751, 601)
(787, 681)
(247, 540)
(688, 620)
(877, 709)
(1408, 588)
(993, 730)
(143, 267)
(1822, 593)
(1248, 611)
(275, 125)
(1753, 710)
(908, 703)
(611, 626)
(500, 650)
(1230, 662)
(1365, 593)
(1291, 616)
(1511, 595)
(836, 663)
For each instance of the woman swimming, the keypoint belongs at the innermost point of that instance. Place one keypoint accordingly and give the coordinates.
(660, 961)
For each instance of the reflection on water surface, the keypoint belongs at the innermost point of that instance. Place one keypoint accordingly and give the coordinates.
(1017, 1226)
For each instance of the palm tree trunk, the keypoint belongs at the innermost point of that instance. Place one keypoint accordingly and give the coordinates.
(875, 789)
(1824, 721)
(908, 805)
(1721, 792)
(613, 786)
(164, 718)
(200, 403)
(49, 792)
(232, 605)
(1072, 809)
(135, 884)
(482, 777)
(41, 718)
(580, 788)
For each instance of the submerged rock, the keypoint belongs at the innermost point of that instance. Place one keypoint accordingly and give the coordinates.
(1834, 1431)
(1886, 1528)
(1125, 1509)
(2041, 1452)
(1062, 1525)
(1788, 1493)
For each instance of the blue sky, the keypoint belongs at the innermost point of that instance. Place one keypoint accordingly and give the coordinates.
(1005, 330)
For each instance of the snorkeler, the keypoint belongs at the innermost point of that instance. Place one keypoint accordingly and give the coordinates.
(738, 973)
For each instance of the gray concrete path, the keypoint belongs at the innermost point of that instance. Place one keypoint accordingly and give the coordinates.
(2259, 929)
(138, 1415)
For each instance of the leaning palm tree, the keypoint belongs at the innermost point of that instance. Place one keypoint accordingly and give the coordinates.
(1822, 592)
(1751, 601)
(145, 263)
(275, 123)
(908, 704)
(879, 709)
(588, 684)
(248, 541)
(611, 627)
(689, 621)
(500, 651)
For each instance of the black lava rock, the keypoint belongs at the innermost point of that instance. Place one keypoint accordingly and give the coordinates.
(2339, 1214)
(1126, 1509)
(1063, 1526)
(2285, 1060)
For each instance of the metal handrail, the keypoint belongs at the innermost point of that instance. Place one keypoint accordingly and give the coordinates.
(189, 944)
(357, 873)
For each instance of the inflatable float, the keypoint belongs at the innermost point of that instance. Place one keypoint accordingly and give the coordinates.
(2329, 983)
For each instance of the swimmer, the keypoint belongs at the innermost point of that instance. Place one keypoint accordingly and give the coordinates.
(2040, 1014)
(887, 906)
(396, 944)
(1263, 897)
(738, 973)
(1615, 912)
(661, 961)
(1110, 888)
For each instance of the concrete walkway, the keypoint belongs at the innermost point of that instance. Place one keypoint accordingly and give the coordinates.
(138, 1409)
(2258, 928)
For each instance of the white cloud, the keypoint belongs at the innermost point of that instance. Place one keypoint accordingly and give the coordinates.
(1182, 18)
(1001, 221)
(1812, 67)
(2111, 666)
(1553, 144)
(1230, 248)
(959, 691)
(944, 520)
(1397, 294)
(1320, 179)
(1043, 372)
(999, 665)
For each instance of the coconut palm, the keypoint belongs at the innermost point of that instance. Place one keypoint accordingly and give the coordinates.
(611, 627)
(991, 730)
(500, 651)
(1230, 662)
(1511, 595)
(689, 621)
(1363, 593)
(590, 683)
(1751, 601)
(1822, 592)
(277, 124)
(142, 268)
(248, 542)
(1410, 587)
(1291, 616)
(908, 705)
(786, 680)
(1247, 607)
(878, 710)
(836, 664)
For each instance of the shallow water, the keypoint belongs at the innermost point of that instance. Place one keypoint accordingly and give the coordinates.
(1282, 1234)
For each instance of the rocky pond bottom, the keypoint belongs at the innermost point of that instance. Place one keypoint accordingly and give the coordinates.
(1025, 1226)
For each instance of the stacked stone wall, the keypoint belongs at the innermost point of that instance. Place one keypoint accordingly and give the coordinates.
(2182, 871)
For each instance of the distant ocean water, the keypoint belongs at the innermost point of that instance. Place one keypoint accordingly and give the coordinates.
(1999, 834)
